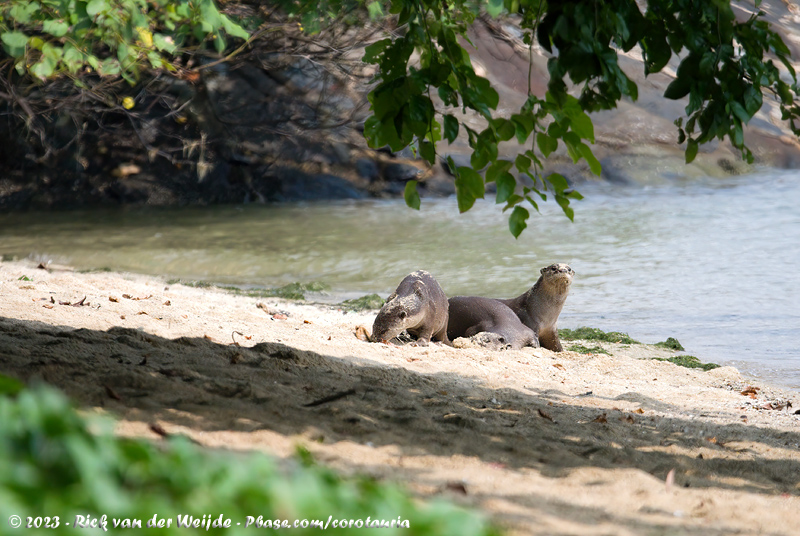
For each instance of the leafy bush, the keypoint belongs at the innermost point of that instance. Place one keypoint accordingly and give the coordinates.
(53, 465)
(113, 37)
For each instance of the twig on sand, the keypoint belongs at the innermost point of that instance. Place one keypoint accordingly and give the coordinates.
(331, 398)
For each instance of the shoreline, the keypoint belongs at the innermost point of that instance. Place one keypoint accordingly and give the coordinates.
(532, 438)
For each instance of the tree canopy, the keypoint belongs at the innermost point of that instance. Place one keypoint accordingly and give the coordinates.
(425, 75)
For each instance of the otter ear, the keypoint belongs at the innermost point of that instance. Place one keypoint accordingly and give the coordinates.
(543, 270)
(391, 297)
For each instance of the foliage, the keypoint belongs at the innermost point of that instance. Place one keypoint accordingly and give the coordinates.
(370, 301)
(113, 37)
(56, 463)
(688, 361)
(724, 69)
(671, 344)
(292, 291)
(595, 334)
(426, 90)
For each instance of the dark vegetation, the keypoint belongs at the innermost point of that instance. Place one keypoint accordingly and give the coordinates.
(290, 291)
(581, 349)
(364, 303)
(689, 361)
(594, 334)
(671, 344)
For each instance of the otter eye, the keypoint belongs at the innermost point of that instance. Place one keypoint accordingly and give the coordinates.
(403, 314)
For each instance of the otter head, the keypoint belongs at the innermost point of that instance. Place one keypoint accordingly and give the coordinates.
(399, 313)
(558, 275)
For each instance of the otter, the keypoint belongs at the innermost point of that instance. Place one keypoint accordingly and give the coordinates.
(470, 315)
(540, 306)
(418, 306)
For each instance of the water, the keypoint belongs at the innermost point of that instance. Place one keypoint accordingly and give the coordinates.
(712, 262)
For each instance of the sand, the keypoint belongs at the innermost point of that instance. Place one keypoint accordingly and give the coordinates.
(543, 443)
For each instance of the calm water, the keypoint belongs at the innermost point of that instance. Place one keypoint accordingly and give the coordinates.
(713, 263)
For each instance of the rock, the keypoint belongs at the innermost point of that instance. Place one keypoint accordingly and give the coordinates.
(367, 169)
(397, 172)
(316, 188)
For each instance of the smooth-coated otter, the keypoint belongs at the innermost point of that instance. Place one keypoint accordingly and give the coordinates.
(470, 315)
(540, 306)
(418, 306)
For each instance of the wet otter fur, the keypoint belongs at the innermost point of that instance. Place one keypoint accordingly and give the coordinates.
(470, 315)
(418, 306)
(539, 307)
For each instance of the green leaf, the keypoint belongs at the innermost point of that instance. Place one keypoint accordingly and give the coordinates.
(56, 28)
(739, 111)
(505, 129)
(375, 10)
(547, 144)
(506, 184)
(572, 141)
(517, 221)
(563, 202)
(219, 42)
(691, 150)
(738, 135)
(428, 151)
(450, 128)
(494, 7)
(22, 11)
(373, 52)
(784, 92)
(558, 181)
(109, 67)
(43, 68)
(411, 195)
(752, 100)
(581, 124)
(164, 43)
(484, 92)
(95, 7)
(522, 163)
(381, 133)
(469, 187)
(523, 124)
(587, 154)
(233, 29)
(496, 169)
(678, 89)
(656, 51)
(15, 43)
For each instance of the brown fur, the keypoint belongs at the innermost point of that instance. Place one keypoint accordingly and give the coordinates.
(539, 307)
(418, 306)
(470, 315)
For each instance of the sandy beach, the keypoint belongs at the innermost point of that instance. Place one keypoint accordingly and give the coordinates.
(542, 442)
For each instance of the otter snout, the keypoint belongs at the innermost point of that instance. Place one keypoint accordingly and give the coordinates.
(395, 316)
(558, 271)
